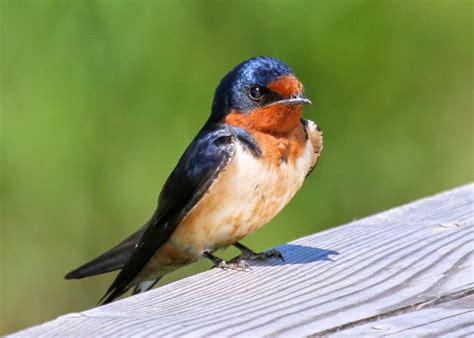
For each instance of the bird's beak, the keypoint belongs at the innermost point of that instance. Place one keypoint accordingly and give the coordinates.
(294, 100)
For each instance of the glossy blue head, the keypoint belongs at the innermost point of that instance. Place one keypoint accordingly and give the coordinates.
(254, 84)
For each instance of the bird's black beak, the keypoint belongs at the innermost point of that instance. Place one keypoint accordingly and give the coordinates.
(294, 100)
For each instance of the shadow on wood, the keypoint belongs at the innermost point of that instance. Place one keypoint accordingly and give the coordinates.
(303, 254)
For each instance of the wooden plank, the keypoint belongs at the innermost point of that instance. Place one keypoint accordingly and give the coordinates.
(370, 267)
(454, 318)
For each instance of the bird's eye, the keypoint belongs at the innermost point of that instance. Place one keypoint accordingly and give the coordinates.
(256, 93)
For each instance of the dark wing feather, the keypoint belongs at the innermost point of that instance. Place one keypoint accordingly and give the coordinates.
(110, 260)
(205, 158)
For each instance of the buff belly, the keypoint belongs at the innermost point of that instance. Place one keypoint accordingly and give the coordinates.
(243, 198)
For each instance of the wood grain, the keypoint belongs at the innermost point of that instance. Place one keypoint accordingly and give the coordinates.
(453, 318)
(408, 270)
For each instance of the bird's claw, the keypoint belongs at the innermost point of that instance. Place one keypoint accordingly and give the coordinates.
(262, 256)
(234, 264)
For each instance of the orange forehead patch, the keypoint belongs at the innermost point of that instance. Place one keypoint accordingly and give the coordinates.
(286, 85)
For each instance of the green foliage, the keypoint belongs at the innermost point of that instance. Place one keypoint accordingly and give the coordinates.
(100, 98)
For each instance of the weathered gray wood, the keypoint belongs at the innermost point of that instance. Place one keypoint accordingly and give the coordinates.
(401, 269)
(454, 318)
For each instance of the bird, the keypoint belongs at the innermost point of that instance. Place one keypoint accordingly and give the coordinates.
(243, 167)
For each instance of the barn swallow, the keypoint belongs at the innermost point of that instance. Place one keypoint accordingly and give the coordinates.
(245, 164)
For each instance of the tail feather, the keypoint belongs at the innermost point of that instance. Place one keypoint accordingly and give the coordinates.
(111, 294)
(110, 260)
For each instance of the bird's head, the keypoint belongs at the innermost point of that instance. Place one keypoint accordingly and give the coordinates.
(261, 94)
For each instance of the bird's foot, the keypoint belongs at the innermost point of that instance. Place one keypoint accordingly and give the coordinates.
(262, 256)
(249, 254)
(234, 264)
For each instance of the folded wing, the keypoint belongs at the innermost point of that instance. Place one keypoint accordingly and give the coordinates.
(209, 153)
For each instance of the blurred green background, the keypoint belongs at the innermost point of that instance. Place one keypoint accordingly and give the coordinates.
(100, 98)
